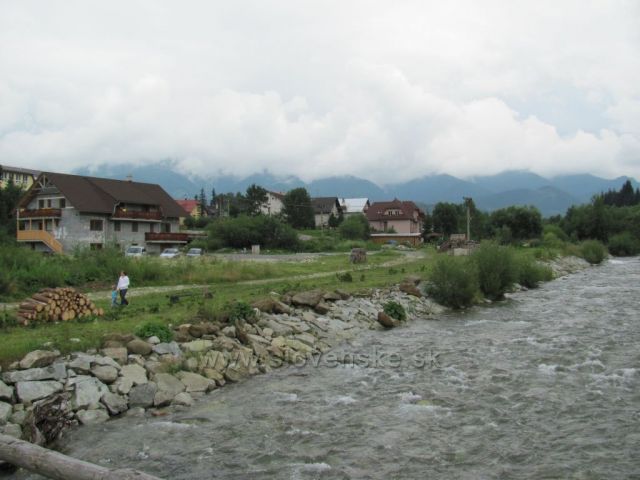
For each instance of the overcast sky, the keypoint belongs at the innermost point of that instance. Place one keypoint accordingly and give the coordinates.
(379, 89)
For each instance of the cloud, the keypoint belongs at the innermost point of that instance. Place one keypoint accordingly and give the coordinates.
(365, 88)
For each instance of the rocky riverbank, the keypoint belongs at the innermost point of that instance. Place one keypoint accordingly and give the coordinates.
(45, 392)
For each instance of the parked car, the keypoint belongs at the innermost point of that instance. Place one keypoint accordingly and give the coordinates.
(170, 253)
(135, 251)
(194, 252)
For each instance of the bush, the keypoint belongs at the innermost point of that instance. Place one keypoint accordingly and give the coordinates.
(454, 282)
(159, 330)
(344, 277)
(395, 310)
(496, 268)
(557, 231)
(531, 273)
(624, 245)
(240, 311)
(355, 227)
(243, 231)
(593, 251)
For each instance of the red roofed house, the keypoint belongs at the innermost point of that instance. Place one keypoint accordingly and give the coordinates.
(192, 207)
(396, 220)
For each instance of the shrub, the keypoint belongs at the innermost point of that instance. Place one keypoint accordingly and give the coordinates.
(355, 227)
(593, 251)
(624, 245)
(454, 281)
(151, 329)
(240, 311)
(395, 310)
(496, 268)
(344, 277)
(243, 231)
(531, 273)
(557, 231)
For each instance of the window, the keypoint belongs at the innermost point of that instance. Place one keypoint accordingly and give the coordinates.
(63, 203)
(49, 203)
(166, 227)
(95, 225)
(152, 227)
(48, 225)
(116, 226)
(134, 226)
(40, 203)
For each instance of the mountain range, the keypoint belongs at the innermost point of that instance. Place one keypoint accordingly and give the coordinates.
(551, 196)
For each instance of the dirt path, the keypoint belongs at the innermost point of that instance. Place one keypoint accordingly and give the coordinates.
(407, 257)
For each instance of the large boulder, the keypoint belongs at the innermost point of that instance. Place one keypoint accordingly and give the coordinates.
(39, 358)
(139, 347)
(5, 412)
(57, 371)
(277, 328)
(32, 391)
(105, 374)
(92, 417)
(213, 359)
(168, 383)
(119, 354)
(88, 392)
(135, 373)
(194, 382)
(271, 305)
(197, 346)
(410, 289)
(115, 404)
(183, 399)
(309, 299)
(386, 321)
(171, 348)
(143, 395)
(6, 392)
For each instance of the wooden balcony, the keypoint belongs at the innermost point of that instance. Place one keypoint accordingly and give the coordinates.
(138, 215)
(41, 213)
(39, 236)
(152, 237)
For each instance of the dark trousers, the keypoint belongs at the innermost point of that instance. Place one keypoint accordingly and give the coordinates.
(123, 295)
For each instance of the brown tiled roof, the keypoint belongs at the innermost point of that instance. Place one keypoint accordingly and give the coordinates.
(188, 205)
(377, 210)
(101, 195)
(324, 204)
(278, 195)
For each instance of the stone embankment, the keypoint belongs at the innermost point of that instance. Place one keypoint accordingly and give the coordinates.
(46, 392)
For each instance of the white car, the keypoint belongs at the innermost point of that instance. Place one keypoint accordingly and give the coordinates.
(135, 251)
(170, 253)
(194, 252)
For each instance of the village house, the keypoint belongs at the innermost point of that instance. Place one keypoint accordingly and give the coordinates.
(61, 212)
(396, 221)
(274, 204)
(192, 208)
(354, 206)
(323, 208)
(22, 177)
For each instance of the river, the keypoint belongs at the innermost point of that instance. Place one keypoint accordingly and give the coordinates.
(542, 385)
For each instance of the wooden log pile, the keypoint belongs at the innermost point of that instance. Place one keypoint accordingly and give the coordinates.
(56, 305)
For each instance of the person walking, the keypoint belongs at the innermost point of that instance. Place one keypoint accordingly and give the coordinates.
(123, 286)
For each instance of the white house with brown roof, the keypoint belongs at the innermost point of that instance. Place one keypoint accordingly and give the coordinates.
(400, 220)
(274, 204)
(60, 212)
(323, 208)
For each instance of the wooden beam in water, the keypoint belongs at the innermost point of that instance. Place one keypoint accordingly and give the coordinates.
(57, 466)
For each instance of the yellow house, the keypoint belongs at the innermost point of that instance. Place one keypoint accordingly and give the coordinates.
(22, 177)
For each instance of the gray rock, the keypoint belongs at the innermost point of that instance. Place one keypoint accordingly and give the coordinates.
(135, 412)
(214, 375)
(136, 373)
(183, 399)
(168, 383)
(277, 328)
(12, 430)
(88, 392)
(229, 331)
(171, 348)
(6, 392)
(18, 417)
(115, 404)
(123, 385)
(118, 354)
(81, 363)
(236, 372)
(322, 308)
(5, 412)
(57, 371)
(31, 391)
(306, 338)
(296, 325)
(162, 399)
(197, 346)
(39, 358)
(307, 299)
(105, 374)
(195, 383)
(153, 340)
(92, 417)
(143, 395)
(139, 347)
(297, 345)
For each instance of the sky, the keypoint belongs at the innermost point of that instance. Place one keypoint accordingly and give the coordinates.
(387, 91)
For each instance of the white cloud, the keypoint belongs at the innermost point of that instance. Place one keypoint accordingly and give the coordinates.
(381, 91)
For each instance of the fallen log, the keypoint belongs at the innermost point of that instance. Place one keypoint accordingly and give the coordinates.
(58, 466)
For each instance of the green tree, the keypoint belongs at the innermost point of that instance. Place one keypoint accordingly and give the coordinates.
(355, 227)
(523, 222)
(446, 218)
(255, 198)
(9, 198)
(297, 208)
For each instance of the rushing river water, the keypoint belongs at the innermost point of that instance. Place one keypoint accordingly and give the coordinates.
(543, 385)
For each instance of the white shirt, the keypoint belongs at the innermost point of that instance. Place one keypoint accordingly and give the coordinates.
(123, 283)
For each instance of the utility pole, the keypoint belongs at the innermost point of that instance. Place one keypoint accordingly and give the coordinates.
(467, 201)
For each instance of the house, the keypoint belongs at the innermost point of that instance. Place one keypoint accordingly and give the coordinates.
(274, 204)
(354, 206)
(60, 212)
(396, 220)
(22, 177)
(323, 208)
(193, 208)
